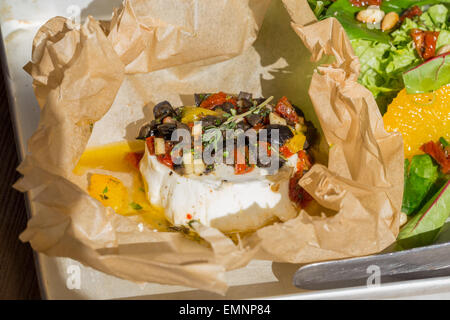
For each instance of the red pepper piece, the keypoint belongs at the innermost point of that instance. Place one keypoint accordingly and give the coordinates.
(216, 100)
(284, 150)
(286, 110)
(150, 141)
(438, 154)
(240, 164)
(166, 158)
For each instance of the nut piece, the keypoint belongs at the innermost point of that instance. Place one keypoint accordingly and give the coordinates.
(372, 14)
(443, 49)
(389, 21)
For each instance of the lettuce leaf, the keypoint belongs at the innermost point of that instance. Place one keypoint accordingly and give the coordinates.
(420, 176)
(428, 76)
(443, 39)
(319, 7)
(423, 228)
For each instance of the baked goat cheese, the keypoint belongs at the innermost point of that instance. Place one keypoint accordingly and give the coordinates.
(236, 196)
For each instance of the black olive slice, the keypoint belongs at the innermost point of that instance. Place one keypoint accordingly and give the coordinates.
(163, 109)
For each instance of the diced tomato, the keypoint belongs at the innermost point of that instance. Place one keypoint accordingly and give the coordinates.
(134, 158)
(217, 99)
(150, 141)
(297, 194)
(438, 154)
(284, 150)
(286, 110)
(188, 216)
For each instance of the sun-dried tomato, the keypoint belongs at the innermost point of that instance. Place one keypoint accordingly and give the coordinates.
(410, 13)
(304, 161)
(437, 153)
(297, 194)
(425, 42)
(286, 110)
(430, 44)
(363, 3)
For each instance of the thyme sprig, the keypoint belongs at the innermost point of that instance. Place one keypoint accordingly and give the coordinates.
(213, 135)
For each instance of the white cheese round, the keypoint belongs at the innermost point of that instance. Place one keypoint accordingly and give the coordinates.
(238, 203)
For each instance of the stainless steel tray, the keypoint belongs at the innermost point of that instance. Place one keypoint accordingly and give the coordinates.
(20, 19)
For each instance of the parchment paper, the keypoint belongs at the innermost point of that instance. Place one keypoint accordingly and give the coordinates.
(97, 87)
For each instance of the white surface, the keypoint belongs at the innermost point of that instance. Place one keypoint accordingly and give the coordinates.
(20, 20)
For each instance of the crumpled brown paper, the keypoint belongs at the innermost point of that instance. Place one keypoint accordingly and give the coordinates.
(93, 88)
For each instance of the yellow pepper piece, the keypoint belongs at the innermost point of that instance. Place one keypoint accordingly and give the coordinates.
(296, 143)
(191, 114)
(419, 118)
(109, 190)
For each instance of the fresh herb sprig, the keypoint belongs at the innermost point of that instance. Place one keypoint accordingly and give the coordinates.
(239, 117)
(213, 135)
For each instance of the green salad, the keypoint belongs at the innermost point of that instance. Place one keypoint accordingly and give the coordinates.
(385, 55)
(405, 44)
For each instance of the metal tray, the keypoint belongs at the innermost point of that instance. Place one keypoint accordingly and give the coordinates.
(20, 19)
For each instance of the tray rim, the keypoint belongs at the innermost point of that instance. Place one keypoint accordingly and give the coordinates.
(320, 294)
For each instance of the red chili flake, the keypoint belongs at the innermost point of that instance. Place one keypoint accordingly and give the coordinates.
(134, 158)
(437, 153)
(363, 3)
(412, 12)
(189, 216)
(216, 100)
(286, 110)
(150, 142)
